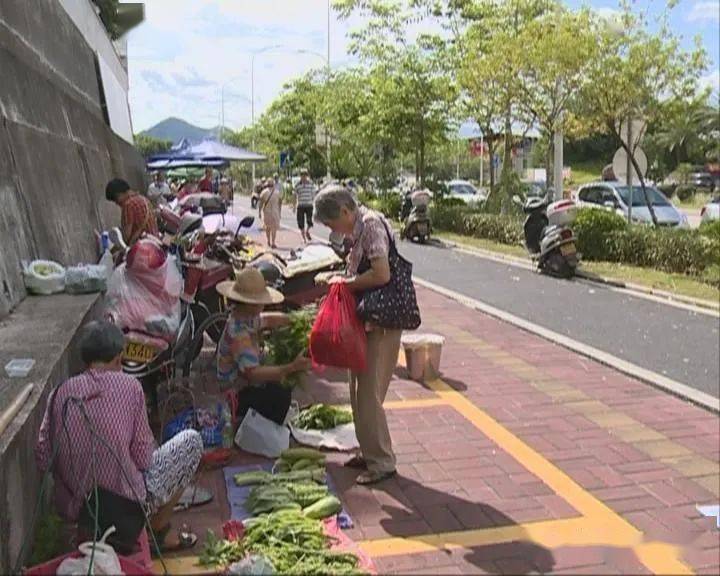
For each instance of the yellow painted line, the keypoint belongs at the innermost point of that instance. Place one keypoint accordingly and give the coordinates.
(661, 558)
(555, 478)
(548, 533)
(613, 528)
(418, 403)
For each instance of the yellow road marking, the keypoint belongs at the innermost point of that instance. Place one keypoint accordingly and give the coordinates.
(182, 565)
(600, 525)
(418, 403)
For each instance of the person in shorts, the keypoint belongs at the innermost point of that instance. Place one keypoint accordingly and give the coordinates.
(304, 195)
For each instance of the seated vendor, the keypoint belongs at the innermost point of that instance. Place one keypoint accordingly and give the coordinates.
(98, 424)
(239, 359)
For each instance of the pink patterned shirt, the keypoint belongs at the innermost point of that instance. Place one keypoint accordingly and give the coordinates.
(369, 238)
(115, 405)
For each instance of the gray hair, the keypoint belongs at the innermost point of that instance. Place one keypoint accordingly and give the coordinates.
(100, 341)
(331, 200)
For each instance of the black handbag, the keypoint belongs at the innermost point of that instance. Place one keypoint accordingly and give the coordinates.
(394, 305)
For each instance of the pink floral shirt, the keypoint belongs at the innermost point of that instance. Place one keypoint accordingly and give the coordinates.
(369, 239)
(115, 405)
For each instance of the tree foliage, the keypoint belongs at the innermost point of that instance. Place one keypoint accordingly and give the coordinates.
(148, 145)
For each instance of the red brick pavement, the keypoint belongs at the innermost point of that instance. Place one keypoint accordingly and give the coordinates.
(648, 456)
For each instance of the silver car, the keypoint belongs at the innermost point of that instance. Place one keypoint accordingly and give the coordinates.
(465, 191)
(711, 210)
(616, 196)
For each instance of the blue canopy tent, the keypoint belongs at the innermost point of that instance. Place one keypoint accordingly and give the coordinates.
(206, 153)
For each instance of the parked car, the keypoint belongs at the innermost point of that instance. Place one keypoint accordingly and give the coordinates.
(701, 178)
(616, 196)
(711, 210)
(465, 191)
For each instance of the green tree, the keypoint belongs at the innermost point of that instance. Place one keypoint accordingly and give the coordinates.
(688, 130)
(412, 92)
(555, 51)
(148, 145)
(634, 73)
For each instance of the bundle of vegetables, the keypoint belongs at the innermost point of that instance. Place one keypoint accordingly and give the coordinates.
(294, 459)
(286, 343)
(306, 493)
(296, 544)
(322, 417)
(219, 552)
(266, 498)
(262, 477)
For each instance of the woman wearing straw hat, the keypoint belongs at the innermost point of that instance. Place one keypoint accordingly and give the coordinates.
(239, 358)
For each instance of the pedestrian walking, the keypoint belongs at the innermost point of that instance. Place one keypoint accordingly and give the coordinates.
(304, 196)
(270, 210)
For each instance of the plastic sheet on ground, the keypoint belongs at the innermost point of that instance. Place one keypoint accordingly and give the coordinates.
(340, 438)
(343, 543)
(237, 495)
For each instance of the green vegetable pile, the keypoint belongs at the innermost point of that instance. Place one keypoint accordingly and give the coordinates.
(286, 343)
(218, 552)
(296, 544)
(322, 417)
(44, 270)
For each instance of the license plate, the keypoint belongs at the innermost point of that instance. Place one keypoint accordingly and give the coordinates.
(136, 352)
(568, 249)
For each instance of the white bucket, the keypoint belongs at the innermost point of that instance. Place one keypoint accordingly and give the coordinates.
(422, 355)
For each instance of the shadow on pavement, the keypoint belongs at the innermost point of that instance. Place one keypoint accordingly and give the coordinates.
(516, 557)
(456, 385)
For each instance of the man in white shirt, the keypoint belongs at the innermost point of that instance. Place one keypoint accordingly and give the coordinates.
(158, 190)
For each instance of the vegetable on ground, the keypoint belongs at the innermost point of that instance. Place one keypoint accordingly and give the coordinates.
(322, 417)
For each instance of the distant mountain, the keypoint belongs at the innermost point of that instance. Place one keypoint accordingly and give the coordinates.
(175, 129)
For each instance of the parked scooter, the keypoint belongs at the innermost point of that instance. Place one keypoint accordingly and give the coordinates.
(415, 217)
(548, 236)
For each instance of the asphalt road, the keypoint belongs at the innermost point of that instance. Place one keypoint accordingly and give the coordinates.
(674, 342)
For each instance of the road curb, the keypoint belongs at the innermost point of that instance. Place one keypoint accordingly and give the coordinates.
(659, 381)
(686, 302)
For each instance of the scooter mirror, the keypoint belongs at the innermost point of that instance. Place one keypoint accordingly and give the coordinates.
(517, 200)
(247, 222)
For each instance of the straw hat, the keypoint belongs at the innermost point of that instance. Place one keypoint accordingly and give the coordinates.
(249, 288)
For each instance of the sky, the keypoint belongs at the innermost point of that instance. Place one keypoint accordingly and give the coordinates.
(187, 53)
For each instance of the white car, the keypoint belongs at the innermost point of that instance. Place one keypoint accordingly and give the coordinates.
(711, 210)
(615, 196)
(465, 191)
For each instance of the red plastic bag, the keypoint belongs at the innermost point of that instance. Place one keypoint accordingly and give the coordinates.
(338, 336)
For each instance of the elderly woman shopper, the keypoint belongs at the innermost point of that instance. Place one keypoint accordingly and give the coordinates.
(369, 269)
(95, 433)
(270, 209)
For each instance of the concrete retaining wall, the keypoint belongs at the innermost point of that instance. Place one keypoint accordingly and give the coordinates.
(56, 152)
(56, 155)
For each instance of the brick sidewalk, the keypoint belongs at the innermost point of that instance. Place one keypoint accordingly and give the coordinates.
(525, 457)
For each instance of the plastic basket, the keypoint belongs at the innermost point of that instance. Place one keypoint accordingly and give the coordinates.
(187, 420)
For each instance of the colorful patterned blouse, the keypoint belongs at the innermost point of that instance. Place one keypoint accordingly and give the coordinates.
(239, 348)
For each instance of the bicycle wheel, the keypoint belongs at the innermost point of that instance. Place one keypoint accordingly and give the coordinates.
(202, 351)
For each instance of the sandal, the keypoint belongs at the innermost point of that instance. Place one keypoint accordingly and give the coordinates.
(370, 477)
(357, 462)
(186, 540)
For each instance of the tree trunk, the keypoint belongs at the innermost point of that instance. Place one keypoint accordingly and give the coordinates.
(549, 172)
(422, 162)
(491, 153)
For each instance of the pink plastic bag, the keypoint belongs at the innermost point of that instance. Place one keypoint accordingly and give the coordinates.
(338, 336)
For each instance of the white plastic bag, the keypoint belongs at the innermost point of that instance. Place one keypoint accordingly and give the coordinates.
(86, 279)
(252, 566)
(104, 560)
(44, 277)
(258, 435)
